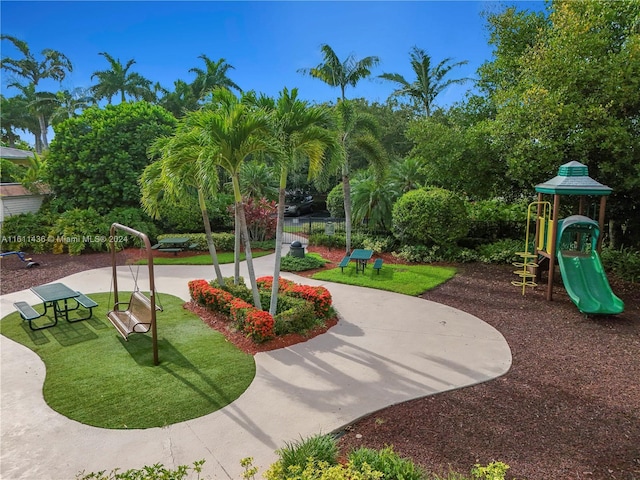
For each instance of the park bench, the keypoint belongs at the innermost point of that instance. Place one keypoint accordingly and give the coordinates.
(136, 318)
(377, 265)
(85, 302)
(344, 263)
(28, 313)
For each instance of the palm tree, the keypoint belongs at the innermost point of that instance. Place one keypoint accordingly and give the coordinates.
(357, 132)
(372, 201)
(38, 113)
(65, 103)
(298, 133)
(341, 74)
(213, 76)
(180, 101)
(184, 166)
(118, 79)
(54, 65)
(407, 175)
(429, 82)
(258, 180)
(234, 130)
(13, 116)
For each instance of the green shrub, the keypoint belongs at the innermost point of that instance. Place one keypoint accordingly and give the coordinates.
(335, 202)
(498, 209)
(317, 448)
(289, 263)
(28, 231)
(625, 263)
(154, 472)
(430, 215)
(296, 315)
(330, 241)
(222, 241)
(135, 218)
(77, 229)
(379, 244)
(435, 253)
(240, 290)
(388, 462)
(502, 251)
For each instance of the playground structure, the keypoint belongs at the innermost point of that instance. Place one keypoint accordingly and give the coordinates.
(21, 255)
(574, 242)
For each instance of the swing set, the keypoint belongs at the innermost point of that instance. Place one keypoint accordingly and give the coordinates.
(138, 315)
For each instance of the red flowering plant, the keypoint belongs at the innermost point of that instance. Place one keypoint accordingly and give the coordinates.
(266, 283)
(210, 297)
(259, 325)
(318, 296)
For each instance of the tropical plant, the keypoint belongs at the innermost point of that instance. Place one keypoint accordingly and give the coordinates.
(213, 76)
(429, 82)
(54, 65)
(180, 101)
(38, 113)
(258, 180)
(338, 73)
(118, 80)
(357, 133)
(233, 130)
(372, 201)
(185, 168)
(14, 116)
(298, 133)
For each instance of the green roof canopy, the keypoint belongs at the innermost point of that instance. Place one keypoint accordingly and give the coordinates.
(573, 179)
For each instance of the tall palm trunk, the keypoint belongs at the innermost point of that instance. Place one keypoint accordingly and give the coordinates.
(236, 247)
(43, 132)
(247, 244)
(273, 305)
(210, 243)
(346, 191)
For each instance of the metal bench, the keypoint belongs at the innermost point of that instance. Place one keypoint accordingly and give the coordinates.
(28, 313)
(377, 265)
(86, 302)
(344, 263)
(136, 318)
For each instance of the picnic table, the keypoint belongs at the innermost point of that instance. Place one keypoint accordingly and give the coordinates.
(361, 256)
(172, 244)
(56, 296)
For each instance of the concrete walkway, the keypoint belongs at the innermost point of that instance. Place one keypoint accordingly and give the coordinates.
(387, 348)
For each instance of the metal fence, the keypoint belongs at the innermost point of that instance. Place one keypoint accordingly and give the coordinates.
(300, 229)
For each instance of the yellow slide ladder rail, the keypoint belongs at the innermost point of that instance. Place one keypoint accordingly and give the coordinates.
(527, 266)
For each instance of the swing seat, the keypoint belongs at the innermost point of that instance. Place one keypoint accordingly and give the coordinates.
(136, 318)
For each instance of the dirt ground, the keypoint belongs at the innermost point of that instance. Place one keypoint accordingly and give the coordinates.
(569, 408)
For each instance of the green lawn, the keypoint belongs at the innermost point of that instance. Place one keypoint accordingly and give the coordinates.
(407, 279)
(95, 377)
(204, 259)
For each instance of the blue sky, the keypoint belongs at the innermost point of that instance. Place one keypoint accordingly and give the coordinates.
(266, 42)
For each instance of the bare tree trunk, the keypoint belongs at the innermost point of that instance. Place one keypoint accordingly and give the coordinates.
(210, 243)
(247, 243)
(273, 305)
(346, 190)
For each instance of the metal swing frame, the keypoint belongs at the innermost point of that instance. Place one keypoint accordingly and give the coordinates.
(115, 227)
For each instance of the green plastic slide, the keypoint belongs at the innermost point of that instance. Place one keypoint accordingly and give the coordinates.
(587, 284)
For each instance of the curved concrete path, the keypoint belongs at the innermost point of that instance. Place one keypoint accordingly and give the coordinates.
(387, 348)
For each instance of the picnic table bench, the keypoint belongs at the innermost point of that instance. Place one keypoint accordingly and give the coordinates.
(377, 265)
(57, 297)
(172, 244)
